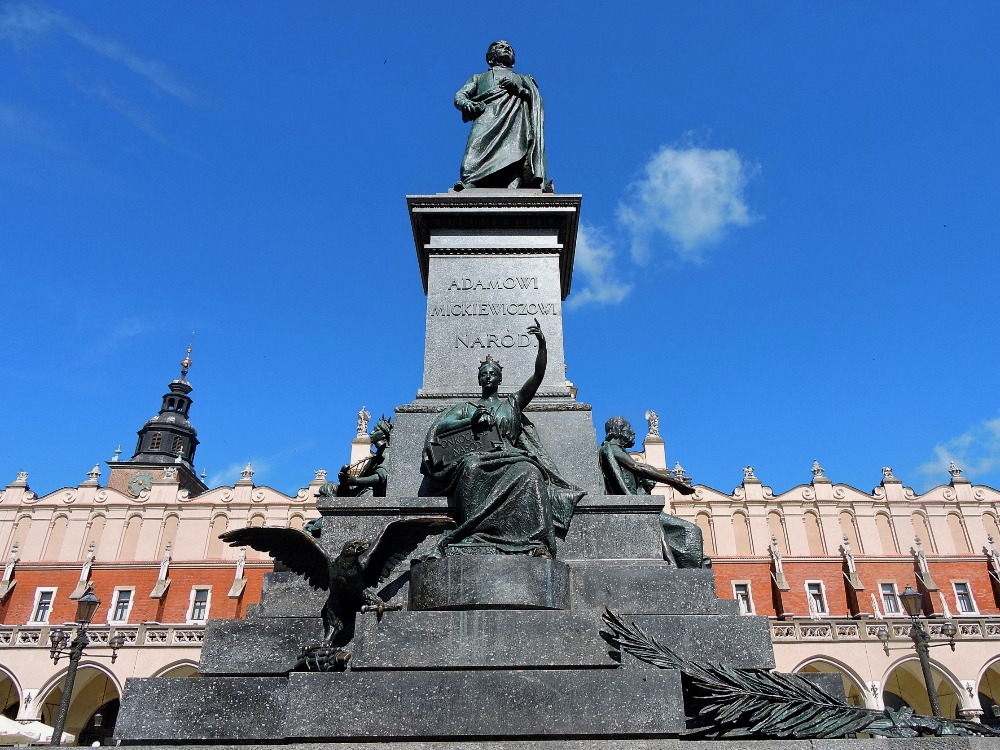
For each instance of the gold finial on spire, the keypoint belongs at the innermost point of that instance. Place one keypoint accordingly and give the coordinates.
(186, 362)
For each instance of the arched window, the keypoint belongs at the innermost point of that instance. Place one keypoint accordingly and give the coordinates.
(885, 534)
(178, 444)
(168, 535)
(921, 529)
(130, 540)
(741, 530)
(94, 534)
(704, 523)
(848, 528)
(296, 522)
(776, 528)
(55, 541)
(154, 444)
(990, 523)
(170, 404)
(257, 521)
(20, 533)
(957, 529)
(814, 537)
(216, 545)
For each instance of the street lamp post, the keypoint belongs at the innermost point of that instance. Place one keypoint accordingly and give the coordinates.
(921, 642)
(86, 607)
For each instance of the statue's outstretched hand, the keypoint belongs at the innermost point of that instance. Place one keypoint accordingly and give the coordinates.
(536, 331)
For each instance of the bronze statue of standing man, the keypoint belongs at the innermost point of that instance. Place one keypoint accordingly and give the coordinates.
(506, 147)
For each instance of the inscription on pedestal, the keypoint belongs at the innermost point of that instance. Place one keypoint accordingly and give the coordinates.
(481, 303)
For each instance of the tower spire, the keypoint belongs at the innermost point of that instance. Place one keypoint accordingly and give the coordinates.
(186, 362)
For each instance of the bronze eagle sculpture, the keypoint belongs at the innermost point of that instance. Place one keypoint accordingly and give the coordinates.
(350, 577)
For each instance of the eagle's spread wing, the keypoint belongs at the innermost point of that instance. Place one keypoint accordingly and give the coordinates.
(398, 540)
(290, 547)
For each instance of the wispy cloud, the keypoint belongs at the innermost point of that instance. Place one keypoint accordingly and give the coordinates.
(595, 260)
(110, 340)
(231, 473)
(690, 196)
(976, 452)
(21, 23)
(139, 117)
(22, 124)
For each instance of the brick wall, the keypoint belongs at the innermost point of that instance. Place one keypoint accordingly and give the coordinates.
(871, 571)
(171, 608)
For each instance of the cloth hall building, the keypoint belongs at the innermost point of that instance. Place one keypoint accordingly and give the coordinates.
(825, 562)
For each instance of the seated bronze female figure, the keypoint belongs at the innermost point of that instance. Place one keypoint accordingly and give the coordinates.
(487, 457)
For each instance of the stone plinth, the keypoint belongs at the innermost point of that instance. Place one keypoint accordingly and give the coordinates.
(471, 581)
(645, 743)
(257, 646)
(485, 704)
(352, 706)
(565, 427)
(492, 261)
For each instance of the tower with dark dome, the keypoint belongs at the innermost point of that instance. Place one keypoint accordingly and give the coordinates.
(166, 446)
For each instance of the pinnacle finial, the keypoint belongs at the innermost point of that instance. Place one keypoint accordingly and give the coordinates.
(186, 362)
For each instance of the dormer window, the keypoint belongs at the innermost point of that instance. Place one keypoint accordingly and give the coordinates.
(154, 444)
(178, 444)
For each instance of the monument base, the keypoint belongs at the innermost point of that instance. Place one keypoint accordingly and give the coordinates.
(915, 743)
(489, 581)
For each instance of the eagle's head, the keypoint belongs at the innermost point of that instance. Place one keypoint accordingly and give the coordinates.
(355, 547)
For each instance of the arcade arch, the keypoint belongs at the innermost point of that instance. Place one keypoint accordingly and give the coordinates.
(989, 694)
(10, 694)
(854, 689)
(904, 686)
(93, 708)
(179, 669)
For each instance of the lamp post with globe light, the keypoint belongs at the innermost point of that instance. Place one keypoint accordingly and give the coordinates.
(86, 608)
(921, 641)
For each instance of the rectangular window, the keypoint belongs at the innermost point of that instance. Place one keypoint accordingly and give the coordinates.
(963, 596)
(890, 600)
(122, 606)
(43, 605)
(817, 598)
(199, 605)
(741, 592)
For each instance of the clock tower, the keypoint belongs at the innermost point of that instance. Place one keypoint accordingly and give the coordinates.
(166, 446)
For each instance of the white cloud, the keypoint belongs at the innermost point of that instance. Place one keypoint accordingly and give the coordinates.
(976, 452)
(691, 195)
(594, 259)
(20, 23)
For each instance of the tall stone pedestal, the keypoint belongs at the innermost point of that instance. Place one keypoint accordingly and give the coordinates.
(491, 263)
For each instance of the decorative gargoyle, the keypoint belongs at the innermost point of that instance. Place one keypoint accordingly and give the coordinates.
(728, 703)
(350, 577)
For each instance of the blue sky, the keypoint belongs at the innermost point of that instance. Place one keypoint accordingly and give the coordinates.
(790, 218)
